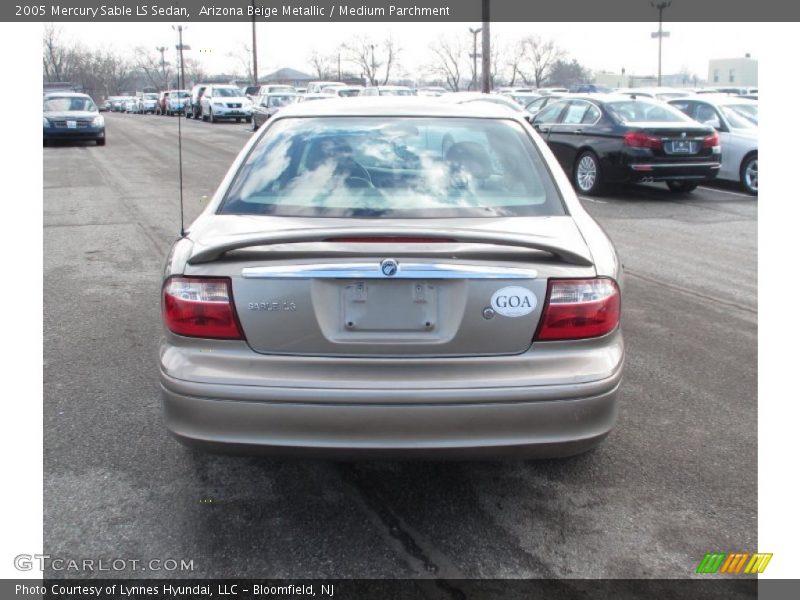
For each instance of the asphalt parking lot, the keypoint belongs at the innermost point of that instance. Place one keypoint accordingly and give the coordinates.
(676, 479)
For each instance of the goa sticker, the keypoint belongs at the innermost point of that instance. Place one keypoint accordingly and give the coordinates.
(513, 301)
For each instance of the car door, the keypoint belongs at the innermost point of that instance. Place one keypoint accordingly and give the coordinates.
(573, 131)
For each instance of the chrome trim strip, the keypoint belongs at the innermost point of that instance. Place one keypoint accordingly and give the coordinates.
(373, 271)
(656, 165)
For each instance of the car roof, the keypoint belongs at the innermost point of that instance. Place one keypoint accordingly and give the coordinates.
(719, 99)
(395, 106)
(68, 95)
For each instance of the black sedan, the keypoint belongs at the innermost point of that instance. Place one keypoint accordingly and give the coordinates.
(72, 116)
(267, 105)
(602, 139)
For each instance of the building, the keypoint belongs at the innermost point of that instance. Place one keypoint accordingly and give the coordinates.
(733, 71)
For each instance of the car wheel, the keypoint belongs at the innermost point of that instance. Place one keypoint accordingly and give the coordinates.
(748, 174)
(255, 125)
(100, 141)
(45, 143)
(211, 116)
(681, 187)
(248, 119)
(586, 176)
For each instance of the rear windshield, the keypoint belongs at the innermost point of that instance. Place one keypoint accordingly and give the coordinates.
(396, 92)
(642, 111)
(376, 167)
(68, 104)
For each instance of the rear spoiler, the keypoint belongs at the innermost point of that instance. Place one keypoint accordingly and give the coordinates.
(204, 253)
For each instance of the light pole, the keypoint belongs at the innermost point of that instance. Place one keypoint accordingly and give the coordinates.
(486, 50)
(180, 29)
(373, 77)
(474, 83)
(163, 49)
(255, 51)
(660, 34)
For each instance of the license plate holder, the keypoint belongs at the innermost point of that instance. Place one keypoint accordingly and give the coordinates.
(682, 147)
(389, 306)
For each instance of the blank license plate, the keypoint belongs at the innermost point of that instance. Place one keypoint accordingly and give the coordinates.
(72, 124)
(389, 306)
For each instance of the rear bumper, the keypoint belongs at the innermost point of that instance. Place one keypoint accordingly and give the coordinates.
(673, 171)
(466, 423)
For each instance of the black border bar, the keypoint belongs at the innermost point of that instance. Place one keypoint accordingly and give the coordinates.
(397, 11)
(703, 588)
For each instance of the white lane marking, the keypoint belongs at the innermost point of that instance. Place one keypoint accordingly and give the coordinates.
(592, 199)
(710, 189)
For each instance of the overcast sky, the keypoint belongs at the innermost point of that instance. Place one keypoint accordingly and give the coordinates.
(599, 46)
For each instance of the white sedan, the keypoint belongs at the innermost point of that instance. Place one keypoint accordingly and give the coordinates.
(736, 120)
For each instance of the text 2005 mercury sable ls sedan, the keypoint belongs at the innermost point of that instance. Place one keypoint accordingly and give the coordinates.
(393, 277)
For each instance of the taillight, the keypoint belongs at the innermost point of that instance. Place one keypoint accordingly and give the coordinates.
(711, 141)
(200, 307)
(579, 308)
(641, 140)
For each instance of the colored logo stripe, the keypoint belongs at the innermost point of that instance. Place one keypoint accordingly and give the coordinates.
(733, 563)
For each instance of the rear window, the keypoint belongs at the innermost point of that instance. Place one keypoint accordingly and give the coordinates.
(642, 111)
(393, 168)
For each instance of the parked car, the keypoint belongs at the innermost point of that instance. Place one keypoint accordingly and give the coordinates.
(225, 102)
(72, 116)
(177, 101)
(309, 97)
(117, 104)
(431, 90)
(350, 290)
(387, 90)
(600, 139)
(277, 88)
(315, 87)
(534, 106)
(147, 103)
(589, 88)
(131, 104)
(194, 109)
(105, 105)
(268, 105)
(524, 98)
(499, 99)
(659, 93)
(343, 91)
(736, 120)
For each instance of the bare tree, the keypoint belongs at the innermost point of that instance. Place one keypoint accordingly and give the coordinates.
(244, 55)
(149, 63)
(193, 70)
(373, 59)
(57, 57)
(540, 54)
(322, 65)
(449, 55)
(515, 56)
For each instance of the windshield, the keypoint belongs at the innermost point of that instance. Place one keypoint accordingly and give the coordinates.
(376, 167)
(179, 94)
(638, 111)
(741, 116)
(226, 92)
(150, 97)
(69, 104)
(349, 93)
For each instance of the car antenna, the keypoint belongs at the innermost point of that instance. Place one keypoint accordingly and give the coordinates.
(180, 171)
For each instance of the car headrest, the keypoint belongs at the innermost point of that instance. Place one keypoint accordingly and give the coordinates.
(470, 157)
